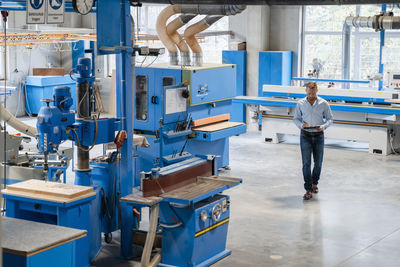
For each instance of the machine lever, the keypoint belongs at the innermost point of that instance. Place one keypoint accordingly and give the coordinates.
(120, 138)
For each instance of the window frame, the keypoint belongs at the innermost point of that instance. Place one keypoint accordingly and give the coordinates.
(356, 35)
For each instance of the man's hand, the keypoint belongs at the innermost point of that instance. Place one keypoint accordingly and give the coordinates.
(320, 128)
(306, 124)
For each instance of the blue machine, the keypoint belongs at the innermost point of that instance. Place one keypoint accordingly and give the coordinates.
(162, 109)
(193, 218)
(57, 123)
(167, 101)
(180, 250)
(41, 87)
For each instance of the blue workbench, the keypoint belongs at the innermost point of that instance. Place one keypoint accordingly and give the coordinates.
(32, 244)
(57, 204)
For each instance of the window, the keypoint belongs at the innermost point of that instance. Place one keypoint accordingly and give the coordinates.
(322, 39)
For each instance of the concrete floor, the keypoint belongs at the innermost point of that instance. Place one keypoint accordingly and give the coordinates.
(353, 221)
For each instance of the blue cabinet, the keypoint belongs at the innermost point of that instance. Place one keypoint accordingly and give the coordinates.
(41, 87)
(239, 58)
(274, 67)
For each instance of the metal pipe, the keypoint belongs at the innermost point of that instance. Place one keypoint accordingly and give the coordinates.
(214, 9)
(83, 112)
(378, 22)
(346, 54)
(271, 2)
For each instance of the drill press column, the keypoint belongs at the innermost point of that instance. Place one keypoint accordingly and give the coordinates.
(83, 176)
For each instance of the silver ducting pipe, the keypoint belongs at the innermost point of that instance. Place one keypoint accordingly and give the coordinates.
(226, 10)
(378, 22)
(271, 2)
(346, 53)
(191, 40)
(172, 28)
(18, 125)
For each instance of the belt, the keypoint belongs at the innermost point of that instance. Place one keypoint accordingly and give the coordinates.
(312, 133)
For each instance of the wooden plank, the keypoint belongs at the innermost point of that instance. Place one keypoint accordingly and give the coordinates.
(46, 197)
(48, 72)
(49, 191)
(200, 122)
(217, 126)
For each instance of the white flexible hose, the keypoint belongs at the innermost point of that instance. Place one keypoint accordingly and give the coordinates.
(18, 125)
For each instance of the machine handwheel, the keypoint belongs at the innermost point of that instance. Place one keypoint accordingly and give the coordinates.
(108, 238)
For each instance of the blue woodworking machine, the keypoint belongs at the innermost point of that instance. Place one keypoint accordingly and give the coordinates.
(169, 102)
(183, 112)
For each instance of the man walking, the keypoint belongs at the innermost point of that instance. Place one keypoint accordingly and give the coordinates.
(312, 116)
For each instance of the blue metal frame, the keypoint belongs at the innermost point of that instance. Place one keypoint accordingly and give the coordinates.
(381, 45)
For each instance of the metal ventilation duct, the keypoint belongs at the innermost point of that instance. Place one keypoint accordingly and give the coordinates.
(272, 2)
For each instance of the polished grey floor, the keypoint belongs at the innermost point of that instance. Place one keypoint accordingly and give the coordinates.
(353, 221)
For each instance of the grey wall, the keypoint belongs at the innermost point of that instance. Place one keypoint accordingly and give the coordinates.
(274, 28)
(285, 32)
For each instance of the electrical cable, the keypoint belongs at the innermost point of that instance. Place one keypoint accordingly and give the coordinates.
(152, 62)
(70, 75)
(27, 102)
(391, 144)
(94, 140)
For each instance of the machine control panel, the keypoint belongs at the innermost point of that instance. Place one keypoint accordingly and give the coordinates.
(393, 80)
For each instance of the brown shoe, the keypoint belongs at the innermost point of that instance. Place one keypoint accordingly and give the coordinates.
(307, 195)
(315, 188)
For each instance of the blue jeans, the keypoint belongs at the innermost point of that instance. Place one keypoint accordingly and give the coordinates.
(311, 145)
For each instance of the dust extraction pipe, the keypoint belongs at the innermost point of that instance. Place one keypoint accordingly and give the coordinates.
(271, 2)
(191, 40)
(161, 29)
(378, 23)
(166, 13)
(172, 28)
(18, 125)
